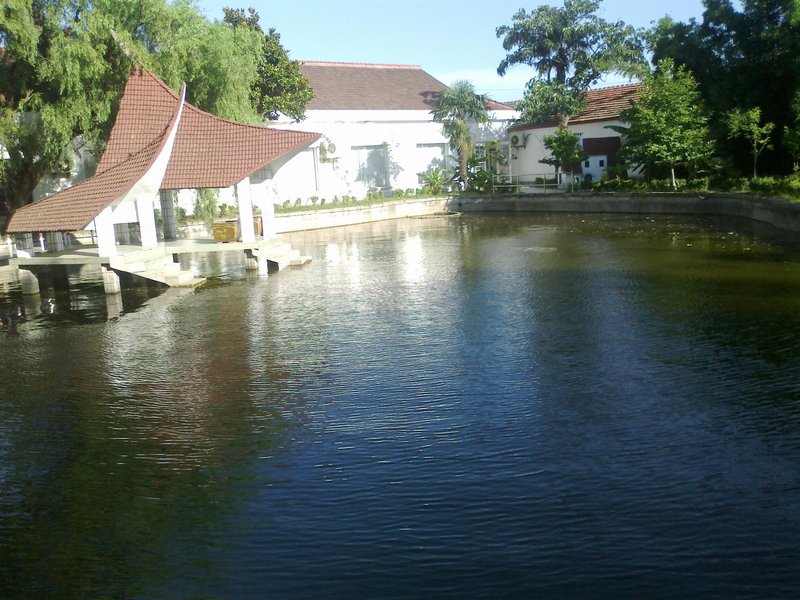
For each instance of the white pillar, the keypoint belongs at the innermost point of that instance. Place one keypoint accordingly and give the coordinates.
(106, 240)
(262, 190)
(114, 305)
(245, 202)
(147, 222)
(111, 281)
(268, 219)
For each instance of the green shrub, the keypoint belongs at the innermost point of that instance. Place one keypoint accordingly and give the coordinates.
(699, 184)
(435, 180)
(764, 185)
(205, 205)
(180, 215)
(792, 185)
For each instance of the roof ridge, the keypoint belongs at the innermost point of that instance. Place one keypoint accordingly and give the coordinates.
(616, 86)
(360, 65)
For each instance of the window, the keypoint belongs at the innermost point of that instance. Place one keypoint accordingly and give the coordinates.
(586, 164)
(479, 156)
(373, 165)
(602, 163)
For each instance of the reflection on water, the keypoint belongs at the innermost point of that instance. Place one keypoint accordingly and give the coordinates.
(478, 406)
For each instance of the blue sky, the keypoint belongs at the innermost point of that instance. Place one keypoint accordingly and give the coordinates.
(451, 40)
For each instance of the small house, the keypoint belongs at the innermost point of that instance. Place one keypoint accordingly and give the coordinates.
(601, 144)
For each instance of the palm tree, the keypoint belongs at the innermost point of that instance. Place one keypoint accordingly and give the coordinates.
(455, 108)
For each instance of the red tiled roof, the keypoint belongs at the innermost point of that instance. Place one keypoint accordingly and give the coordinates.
(602, 104)
(76, 207)
(208, 152)
(360, 86)
(211, 152)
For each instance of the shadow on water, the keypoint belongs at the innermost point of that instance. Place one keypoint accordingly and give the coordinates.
(119, 457)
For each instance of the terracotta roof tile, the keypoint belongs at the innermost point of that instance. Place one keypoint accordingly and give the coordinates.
(602, 104)
(356, 86)
(360, 86)
(210, 152)
(78, 205)
(207, 152)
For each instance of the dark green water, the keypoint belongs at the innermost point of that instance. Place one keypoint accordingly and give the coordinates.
(525, 406)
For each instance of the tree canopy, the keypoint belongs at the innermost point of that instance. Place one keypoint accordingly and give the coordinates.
(668, 122)
(565, 149)
(747, 124)
(455, 108)
(570, 48)
(64, 64)
(744, 55)
(280, 86)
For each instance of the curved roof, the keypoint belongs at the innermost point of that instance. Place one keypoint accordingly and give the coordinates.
(208, 152)
(76, 207)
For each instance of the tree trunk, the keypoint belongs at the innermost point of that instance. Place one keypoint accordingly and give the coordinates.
(672, 174)
(19, 188)
(462, 169)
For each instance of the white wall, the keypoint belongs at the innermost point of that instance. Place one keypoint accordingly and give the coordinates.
(82, 164)
(412, 140)
(525, 160)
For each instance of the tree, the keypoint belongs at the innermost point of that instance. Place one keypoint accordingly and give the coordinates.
(570, 48)
(791, 141)
(64, 64)
(456, 108)
(743, 54)
(747, 124)
(668, 122)
(280, 86)
(565, 149)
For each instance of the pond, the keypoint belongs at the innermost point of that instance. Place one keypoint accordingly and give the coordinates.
(475, 406)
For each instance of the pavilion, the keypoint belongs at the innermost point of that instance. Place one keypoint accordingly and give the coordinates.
(161, 143)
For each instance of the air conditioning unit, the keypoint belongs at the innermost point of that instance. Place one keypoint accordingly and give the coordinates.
(518, 140)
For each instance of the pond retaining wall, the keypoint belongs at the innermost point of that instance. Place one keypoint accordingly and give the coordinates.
(779, 213)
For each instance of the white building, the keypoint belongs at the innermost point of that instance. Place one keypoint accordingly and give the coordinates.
(601, 144)
(378, 132)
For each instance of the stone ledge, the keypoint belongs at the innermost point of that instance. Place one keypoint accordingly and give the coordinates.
(773, 211)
